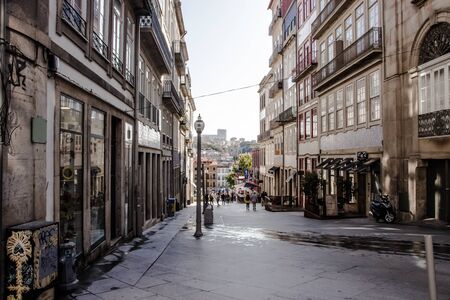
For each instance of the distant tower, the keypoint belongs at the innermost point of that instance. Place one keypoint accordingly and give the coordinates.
(222, 134)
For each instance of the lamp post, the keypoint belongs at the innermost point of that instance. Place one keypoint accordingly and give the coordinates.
(199, 125)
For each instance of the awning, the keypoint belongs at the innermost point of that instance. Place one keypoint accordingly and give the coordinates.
(273, 169)
(345, 163)
(364, 165)
(324, 163)
(250, 184)
(334, 165)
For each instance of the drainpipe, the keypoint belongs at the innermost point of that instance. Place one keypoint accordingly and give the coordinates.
(283, 163)
(2, 70)
(135, 205)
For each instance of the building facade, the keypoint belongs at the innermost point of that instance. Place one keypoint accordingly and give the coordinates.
(86, 99)
(415, 114)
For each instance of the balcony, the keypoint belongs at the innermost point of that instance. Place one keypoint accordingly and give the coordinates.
(331, 11)
(359, 53)
(276, 52)
(275, 123)
(275, 18)
(99, 45)
(185, 84)
(277, 86)
(154, 42)
(73, 17)
(171, 99)
(181, 56)
(264, 136)
(129, 76)
(308, 63)
(289, 115)
(436, 123)
(117, 63)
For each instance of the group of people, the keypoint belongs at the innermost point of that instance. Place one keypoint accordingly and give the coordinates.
(227, 196)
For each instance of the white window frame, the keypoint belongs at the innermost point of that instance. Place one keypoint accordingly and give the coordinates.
(361, 102)
(374, 95)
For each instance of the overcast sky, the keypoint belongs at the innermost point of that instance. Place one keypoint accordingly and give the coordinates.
(229, 48)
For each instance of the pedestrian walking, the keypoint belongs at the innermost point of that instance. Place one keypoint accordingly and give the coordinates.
(254, 199)
(218, 199)
(247, 201)
(263, 197)
(223, 198)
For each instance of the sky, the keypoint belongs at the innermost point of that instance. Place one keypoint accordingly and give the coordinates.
(229, 47)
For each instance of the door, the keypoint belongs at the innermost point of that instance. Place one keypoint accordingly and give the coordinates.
(116, 133)
(438, 190)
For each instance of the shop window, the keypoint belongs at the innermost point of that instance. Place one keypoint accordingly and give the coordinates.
(71, 172)
(97, 174)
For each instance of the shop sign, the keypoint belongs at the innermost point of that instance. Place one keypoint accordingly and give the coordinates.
(363, 155)
(148, 136)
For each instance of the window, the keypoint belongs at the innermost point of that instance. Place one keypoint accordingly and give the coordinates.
(308, 89)
(349, 108)
(71, 172)
(373, 14)
(129, 61)
(99, 34)
(300, 14)
(361, 100)
(322, 4)
(331, 112)
(339, 109)
(323, 57)
(308, 125)
(374, 94)
(323, 114)
(439, 89)
(117, 36)
(330, 47)
(359, 12)
(301, 92)
(348, 31)
(314, 123)
(338, 33)
(97, 173)
(425, 93)
(141, 76)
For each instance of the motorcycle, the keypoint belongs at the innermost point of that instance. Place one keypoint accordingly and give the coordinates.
(381, 208)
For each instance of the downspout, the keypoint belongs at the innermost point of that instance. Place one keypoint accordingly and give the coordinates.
(135, 205)
(2, 70)
(282, 124)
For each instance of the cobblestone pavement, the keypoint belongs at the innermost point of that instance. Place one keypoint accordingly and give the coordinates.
(266, 255)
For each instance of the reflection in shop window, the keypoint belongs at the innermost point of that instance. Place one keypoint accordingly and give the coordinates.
(71, 172)
(97, 176)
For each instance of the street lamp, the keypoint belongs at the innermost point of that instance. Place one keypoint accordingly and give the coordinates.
(199, 125)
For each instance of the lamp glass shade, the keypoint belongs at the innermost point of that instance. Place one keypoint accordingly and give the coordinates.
(199, 125)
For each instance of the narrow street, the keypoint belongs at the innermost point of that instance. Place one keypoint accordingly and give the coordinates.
(264, 255)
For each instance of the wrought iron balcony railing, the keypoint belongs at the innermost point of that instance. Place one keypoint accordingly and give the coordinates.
(277, 86)
(368, 43)
(264, 136)
(185, 84)
(156, 41)
(172, 99)
(289, 115)
(99, 44)
(141, 104)
(275, 123)
(307, 63)
(323, 16)
(276, 52)
(73, 18)
(129, 76)
(117, 63)
(436, 123)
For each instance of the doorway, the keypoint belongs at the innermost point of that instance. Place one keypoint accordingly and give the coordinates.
(438, 190)
(116, 133)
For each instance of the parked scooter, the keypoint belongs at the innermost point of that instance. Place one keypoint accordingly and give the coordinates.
(381, 208)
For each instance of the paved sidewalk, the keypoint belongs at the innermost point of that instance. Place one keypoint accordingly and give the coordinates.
(264, 255)
(124, 269)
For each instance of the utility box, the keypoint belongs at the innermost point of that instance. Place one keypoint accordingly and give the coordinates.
(208, 217)
(31, 260)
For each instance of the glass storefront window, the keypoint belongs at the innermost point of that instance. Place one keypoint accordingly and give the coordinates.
(97, 176)
(71, 172)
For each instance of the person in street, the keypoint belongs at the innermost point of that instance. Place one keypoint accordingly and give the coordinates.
(218, 200)
(223, 198)
(247, 200)
(263, 197)
(254, 199)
